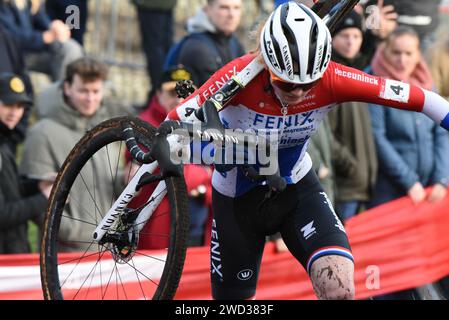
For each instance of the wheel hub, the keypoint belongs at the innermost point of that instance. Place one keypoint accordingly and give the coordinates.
(122, 242)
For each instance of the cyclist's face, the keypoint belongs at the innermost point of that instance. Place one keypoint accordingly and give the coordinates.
(290, 93)
(86, 97)
(225, 15)
(10, 115)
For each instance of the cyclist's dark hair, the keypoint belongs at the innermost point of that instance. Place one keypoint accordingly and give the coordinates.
(88, 69)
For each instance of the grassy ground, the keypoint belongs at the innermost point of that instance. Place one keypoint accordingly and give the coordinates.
(33, 237)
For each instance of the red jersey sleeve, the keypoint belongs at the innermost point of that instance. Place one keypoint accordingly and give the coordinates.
(185, 111)
(349, 84)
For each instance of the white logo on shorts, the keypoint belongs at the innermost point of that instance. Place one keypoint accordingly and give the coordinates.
(338, 225)
(245, 274)
(309, 230)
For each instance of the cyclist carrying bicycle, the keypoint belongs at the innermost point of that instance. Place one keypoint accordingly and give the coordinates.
(299, 86)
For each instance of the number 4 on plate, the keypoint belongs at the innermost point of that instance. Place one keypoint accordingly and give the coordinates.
(396, 91)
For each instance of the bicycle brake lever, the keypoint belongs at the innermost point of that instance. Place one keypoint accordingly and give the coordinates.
(208, 114)
(211, 117)
(199, 114)
(160, 151)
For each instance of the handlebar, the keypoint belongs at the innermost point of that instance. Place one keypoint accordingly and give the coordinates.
(160, 149)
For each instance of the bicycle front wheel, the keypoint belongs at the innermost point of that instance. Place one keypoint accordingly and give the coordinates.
(130, 264)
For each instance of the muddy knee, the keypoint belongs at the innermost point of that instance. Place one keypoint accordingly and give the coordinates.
(333, 278)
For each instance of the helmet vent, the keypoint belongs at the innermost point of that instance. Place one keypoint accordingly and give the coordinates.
(291, 39)
(324, 58)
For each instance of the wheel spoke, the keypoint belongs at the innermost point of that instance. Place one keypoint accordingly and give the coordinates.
(109, 280)
(62, 285)
(152, 257)
(94, 267)
(90, 194)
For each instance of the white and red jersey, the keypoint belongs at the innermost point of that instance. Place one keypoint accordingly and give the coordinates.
(256, 107)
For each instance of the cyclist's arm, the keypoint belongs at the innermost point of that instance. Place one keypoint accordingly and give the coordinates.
(186, 110)
(348, 84)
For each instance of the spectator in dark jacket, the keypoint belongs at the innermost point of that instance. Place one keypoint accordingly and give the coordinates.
(18, 203)
(46, 44)
(218, 20)
(11, 58)
(355, 161)
(156, 29)
(12, 61)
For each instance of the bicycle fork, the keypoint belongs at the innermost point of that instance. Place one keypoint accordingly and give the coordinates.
(117, 209)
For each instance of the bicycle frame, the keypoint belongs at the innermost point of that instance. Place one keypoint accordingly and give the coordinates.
(125, 198)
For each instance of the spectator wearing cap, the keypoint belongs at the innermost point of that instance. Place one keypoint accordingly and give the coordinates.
(46, 44)
(165, 98)
(12, 61)
(354, 156)
(197, 177)
(19, 202)
(347, 42)
(75, 107)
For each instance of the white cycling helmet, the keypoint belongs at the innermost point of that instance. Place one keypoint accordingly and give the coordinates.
(296, 44)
